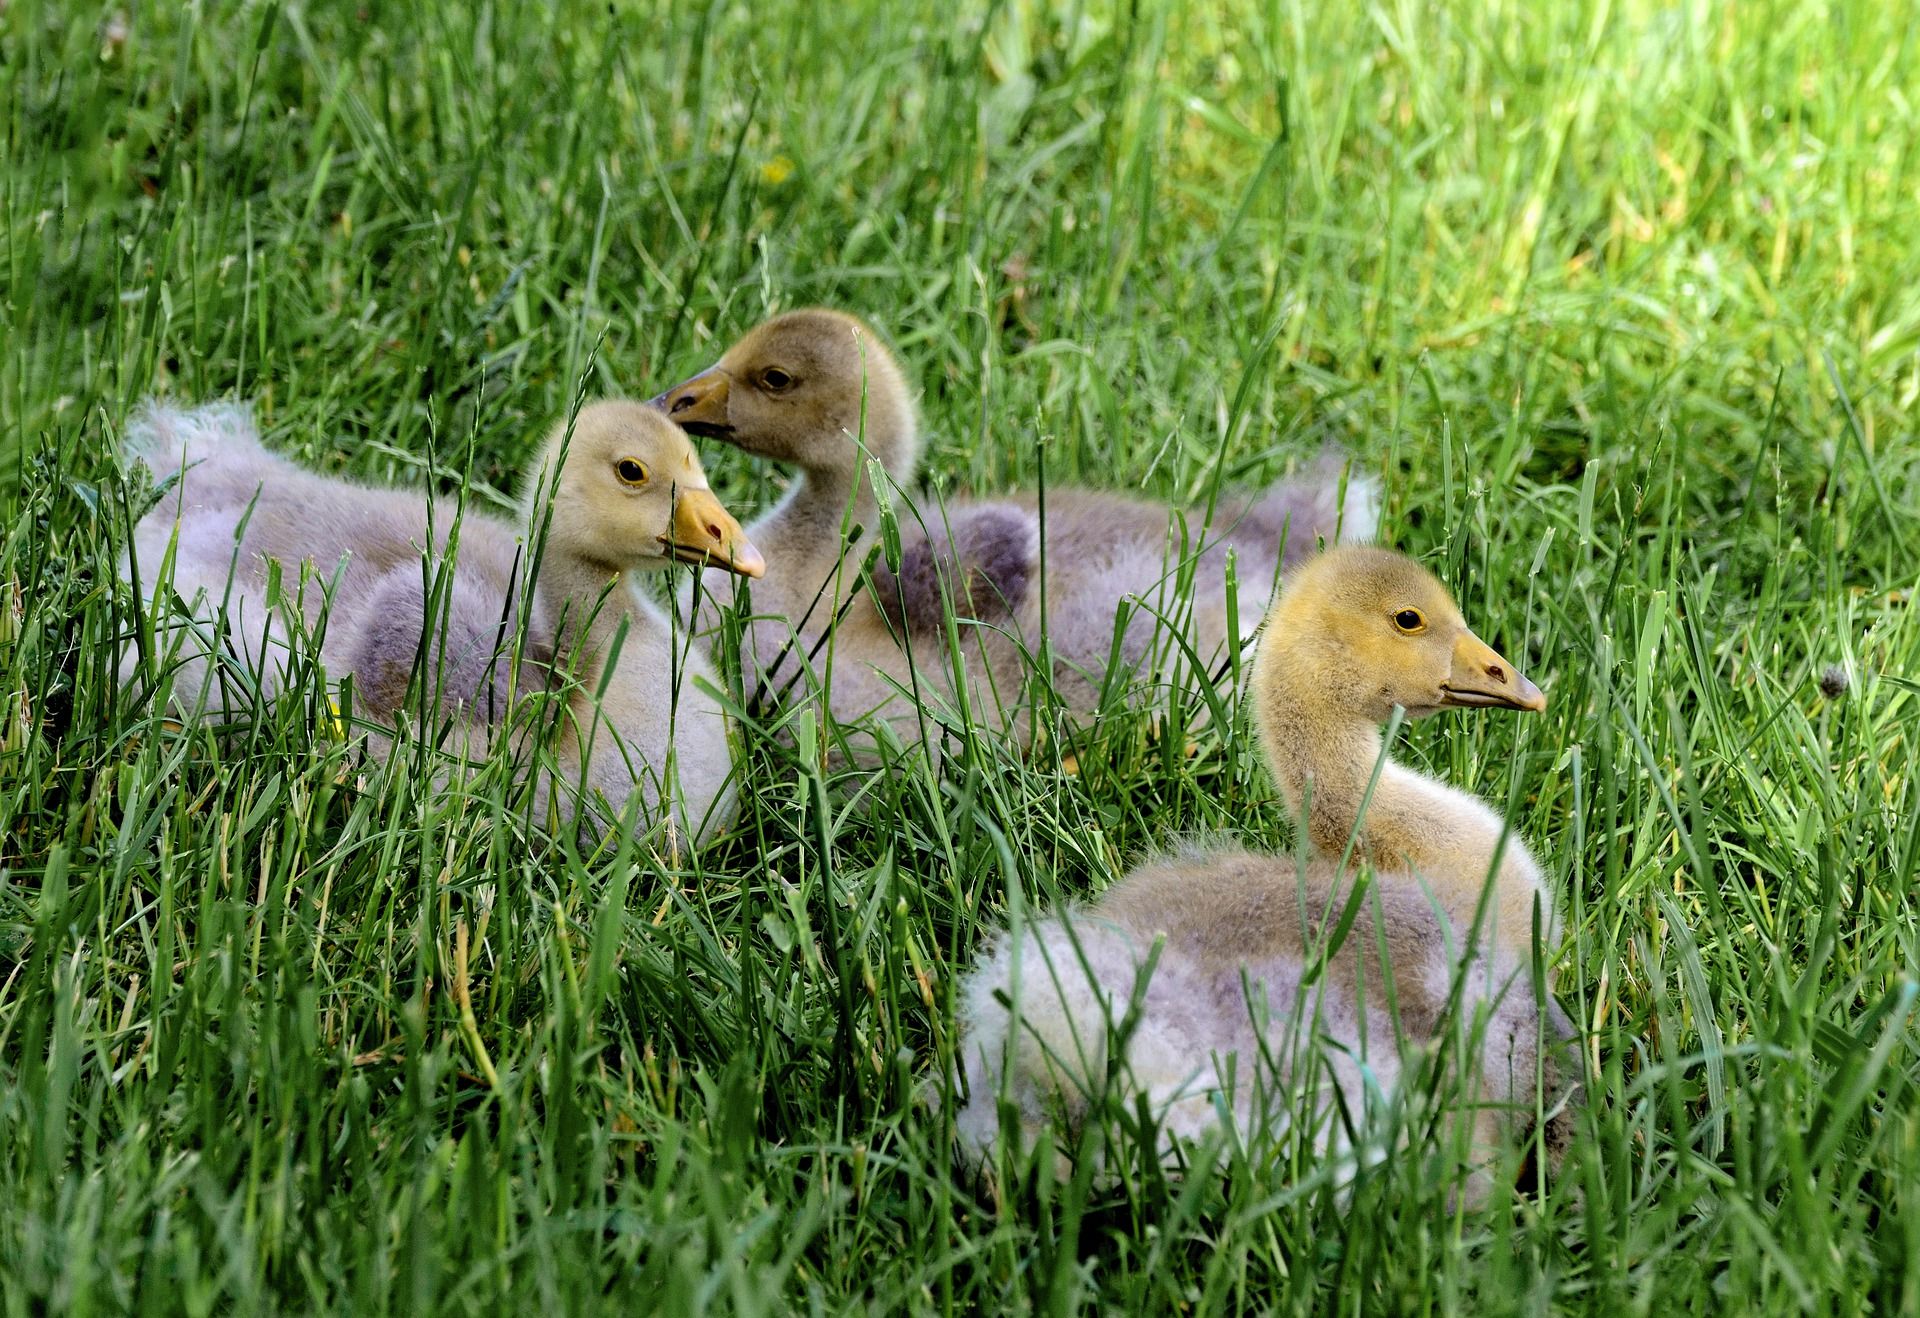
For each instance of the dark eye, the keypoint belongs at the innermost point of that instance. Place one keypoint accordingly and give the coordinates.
(1409, 621)
(775, 379)
(633, 473)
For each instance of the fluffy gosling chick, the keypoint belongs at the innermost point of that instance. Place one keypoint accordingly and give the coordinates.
(615, 494)
(809, 388)
(1247, 1006)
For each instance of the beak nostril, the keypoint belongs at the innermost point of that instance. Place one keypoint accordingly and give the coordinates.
(713, 530)
(1496, 672)
(681, 404)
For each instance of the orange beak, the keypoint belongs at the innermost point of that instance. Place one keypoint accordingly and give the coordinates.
(704, 532)
(699, 406)
(1481, 679)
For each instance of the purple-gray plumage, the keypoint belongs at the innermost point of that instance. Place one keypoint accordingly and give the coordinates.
(468, 640)
(1293, 516)
(977, 564)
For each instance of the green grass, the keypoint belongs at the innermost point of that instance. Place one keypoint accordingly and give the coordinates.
(1621, 300)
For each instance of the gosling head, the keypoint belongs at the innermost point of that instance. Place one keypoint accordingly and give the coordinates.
(792, 389)
(1360, 630)
(631, 495)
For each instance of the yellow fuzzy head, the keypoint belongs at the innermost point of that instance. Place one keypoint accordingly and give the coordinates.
(631, 494)
(1360, 630)
(793, 389)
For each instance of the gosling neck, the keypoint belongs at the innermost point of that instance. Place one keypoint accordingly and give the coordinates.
(1324, 760)
(1332, 762)
(835, 494)
(571, 586)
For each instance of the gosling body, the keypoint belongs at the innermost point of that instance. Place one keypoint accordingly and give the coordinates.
(1244, 1001)
(278, 566)
(818, 390)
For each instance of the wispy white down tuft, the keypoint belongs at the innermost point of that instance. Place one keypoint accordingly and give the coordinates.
(164, 437)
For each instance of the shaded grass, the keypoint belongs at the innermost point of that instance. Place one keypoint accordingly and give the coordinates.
(1617, 299)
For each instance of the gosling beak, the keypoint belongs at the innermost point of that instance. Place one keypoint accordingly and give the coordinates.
(704, 532)
(1481, 679)
(699, 406)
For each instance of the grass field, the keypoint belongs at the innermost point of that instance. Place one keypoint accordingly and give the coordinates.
(1620, 300)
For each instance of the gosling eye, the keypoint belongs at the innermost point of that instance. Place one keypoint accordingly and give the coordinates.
(631, 471)
(773, 379)
(1410, 621)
